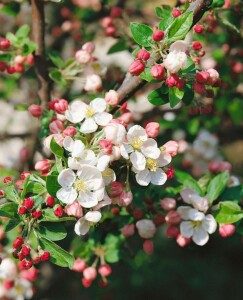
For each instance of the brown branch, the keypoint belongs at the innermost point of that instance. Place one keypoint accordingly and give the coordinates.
(132, 84)
(38, 35)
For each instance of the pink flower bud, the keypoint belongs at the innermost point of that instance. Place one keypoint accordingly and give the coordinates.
(61, 106)
(56, 126)
(213, 76)
(19, 59)
(168, 203)
(115, 133)
(219, 166)
(105, 270)
(196, 46)
(173, 218)
(11, 69)
(127, 118)
(143, 55)
(146, 228)
(172, 80)
(152, 129)
(30, 274)
(79, 265)
(226, 230)
(136, 68)
(110, 31)
(82, 57)
(171, 147)
(128, 230)
(172, 232)
(35, 110)
(112, 97)
(90, 273)
(198, 28)
(182, 241)
(157, 72)
(181, 83)
(42, 165)
(24, 153)
(30, 59)
(202, 77)
(158, 35)
(105, 146)
(125, 198)
(3, 66)
(116, 188)
(74, 209)
(69, 131)
(86, 283)
(116, 12)
(148, 247)
(199, 88)
(176, 12)
(5, 43)
(89, 47)
(106, 22)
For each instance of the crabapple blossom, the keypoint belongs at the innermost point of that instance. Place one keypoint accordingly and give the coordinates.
(189, 196)
(152, 129)
(8, 269)
(93, 114)
(82, 56)
(74, 209)
(93, 83)
(146, 228)
(83, 224)
(175, 61)
(115, 133)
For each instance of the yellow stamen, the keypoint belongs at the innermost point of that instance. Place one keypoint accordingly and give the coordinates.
(80, 186)
(89, 112)
(152, 164)
(136, 143)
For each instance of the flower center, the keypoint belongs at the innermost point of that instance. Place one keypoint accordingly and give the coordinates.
(196, 224)
(80, 186)
(152, 164)
(136, 143)
(89, 112)
(19, 289)
(108, 173)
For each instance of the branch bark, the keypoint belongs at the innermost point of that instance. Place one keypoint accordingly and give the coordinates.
(38, 36)
(132, 84)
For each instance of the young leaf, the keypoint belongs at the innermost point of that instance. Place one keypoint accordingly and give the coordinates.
(142, 34)
(146, 75)
(49, 216)
(11, 224)
(12, 194)
(35, 188)
(117, 47)
(59, 256)
(180, 27)
(23, 31)
(56, 59)
(164, 13)
(188, 94)
(52, 231)
(52, 185)
(56, 149)
(158, 97)
(175, 96)
(217, 186)
(9, 210)
(230, 212)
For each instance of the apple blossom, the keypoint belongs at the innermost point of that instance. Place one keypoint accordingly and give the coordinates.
(175, 61)
(83, 224)
(146, 228)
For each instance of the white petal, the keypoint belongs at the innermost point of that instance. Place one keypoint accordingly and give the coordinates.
(209, 224)
(125, 150)
(66, 178)
(68, 195)
(87, 199)
(91, 176)
(187, 195)
(103, 118)
(93, 216)
(76, 112)
(184, 212)
(105, 202)
(186, 228)
(81, 227)
(138, 160)
(150, 149)
(88, 126)
(137, 131)
(200, 236)
(103, 162)
(73, 163)
(158, 177)
(68, 143)
(143, 178)
(88, 158)
(108, 176)
(196, 215)
(98, 105)
(78, 148)
(164, 159)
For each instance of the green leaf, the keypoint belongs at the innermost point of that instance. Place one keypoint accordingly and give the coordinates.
(9, 210)
(189, 67)
(187, 181)
(11, 224)
(117, 47)
(217, 186)
(142, 34)
(49, 216)
(233, 193)
(164, 13)
(217, 3)
(11, 9)
(59, 256)
(56, 75)
(230, 212)
(175, 96)
(29, 47)
(159, 96)
(180, 27)
(12, 194)
(13, 39)
(56, 59)
(146, 75)
(52, 185)
(188, 94)
(112, 243)
(35, 188)
(23, 31)
(52, 231)
(56, 149)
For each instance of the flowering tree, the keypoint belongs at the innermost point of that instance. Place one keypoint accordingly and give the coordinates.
(103, 178)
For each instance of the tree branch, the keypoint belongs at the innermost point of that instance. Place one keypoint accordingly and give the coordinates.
(132, 84)
(38, 35)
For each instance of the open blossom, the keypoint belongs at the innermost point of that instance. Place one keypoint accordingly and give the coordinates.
(86, 186)
(21, 290)
(115, 133)
(206, 145)
(93, 114)
(139, 147)
(175, 61)
(196, 225)
(189, 196)
(83, 224)
(8, 269)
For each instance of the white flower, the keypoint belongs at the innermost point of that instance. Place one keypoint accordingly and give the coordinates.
(139, 146)
(79, 155)
(152, 171)
(115, 133)
(8, 269)
(190, 196)
(83, 224)
(206, 145)
(146, 228)
(87, 187)
(175, 61)
(197, 225)
(93, 114)
(93, 83)
(233, 181)
(21, 290)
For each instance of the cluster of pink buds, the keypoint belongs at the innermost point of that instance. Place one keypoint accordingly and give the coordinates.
(204, 79)
(108, 23)
(91, 273)
(138, 66)
(202, 109)
(23, 253)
